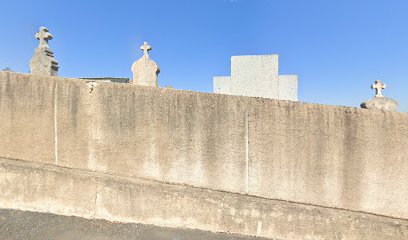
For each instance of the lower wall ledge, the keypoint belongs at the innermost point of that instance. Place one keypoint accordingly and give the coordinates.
(31, 191)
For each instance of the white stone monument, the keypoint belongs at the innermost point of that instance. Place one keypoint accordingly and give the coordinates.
(43, 62)
(257, 76)
(145, 70)
(379, 101)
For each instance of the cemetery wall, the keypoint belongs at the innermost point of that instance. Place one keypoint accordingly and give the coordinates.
(36, 200)
(329, 156)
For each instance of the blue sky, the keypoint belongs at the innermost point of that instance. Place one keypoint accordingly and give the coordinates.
(338, 48)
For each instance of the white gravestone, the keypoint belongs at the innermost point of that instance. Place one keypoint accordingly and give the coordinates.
(257, 76)
(43, 62)
(145, 70)
(379, 101)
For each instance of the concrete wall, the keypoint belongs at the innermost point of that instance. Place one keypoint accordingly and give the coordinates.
(27, 107)
(329, 156)
(339, 157)
(27, 186)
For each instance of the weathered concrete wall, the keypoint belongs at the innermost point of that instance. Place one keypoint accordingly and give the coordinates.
(339, 157)
(27, 117)
(329, 156)
(164, 135)
(28, 186)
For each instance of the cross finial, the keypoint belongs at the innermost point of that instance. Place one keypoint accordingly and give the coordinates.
(378, 86)
(43, 35)
(146, 48)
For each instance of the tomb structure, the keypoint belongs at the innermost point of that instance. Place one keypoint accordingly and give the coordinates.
(43, 62)
(257, 76)
(145, 70)
(379, 101)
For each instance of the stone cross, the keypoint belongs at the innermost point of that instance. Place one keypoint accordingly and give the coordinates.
(43, 62)
(378, 86)
(43, 35)
(379, 101)
(145, 70)
(146, 48)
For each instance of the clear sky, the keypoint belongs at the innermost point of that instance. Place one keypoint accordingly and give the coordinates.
(337, 47)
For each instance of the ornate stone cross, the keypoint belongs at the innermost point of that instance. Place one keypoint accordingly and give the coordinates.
(146, 48)
(378, 86)
(43, 35)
